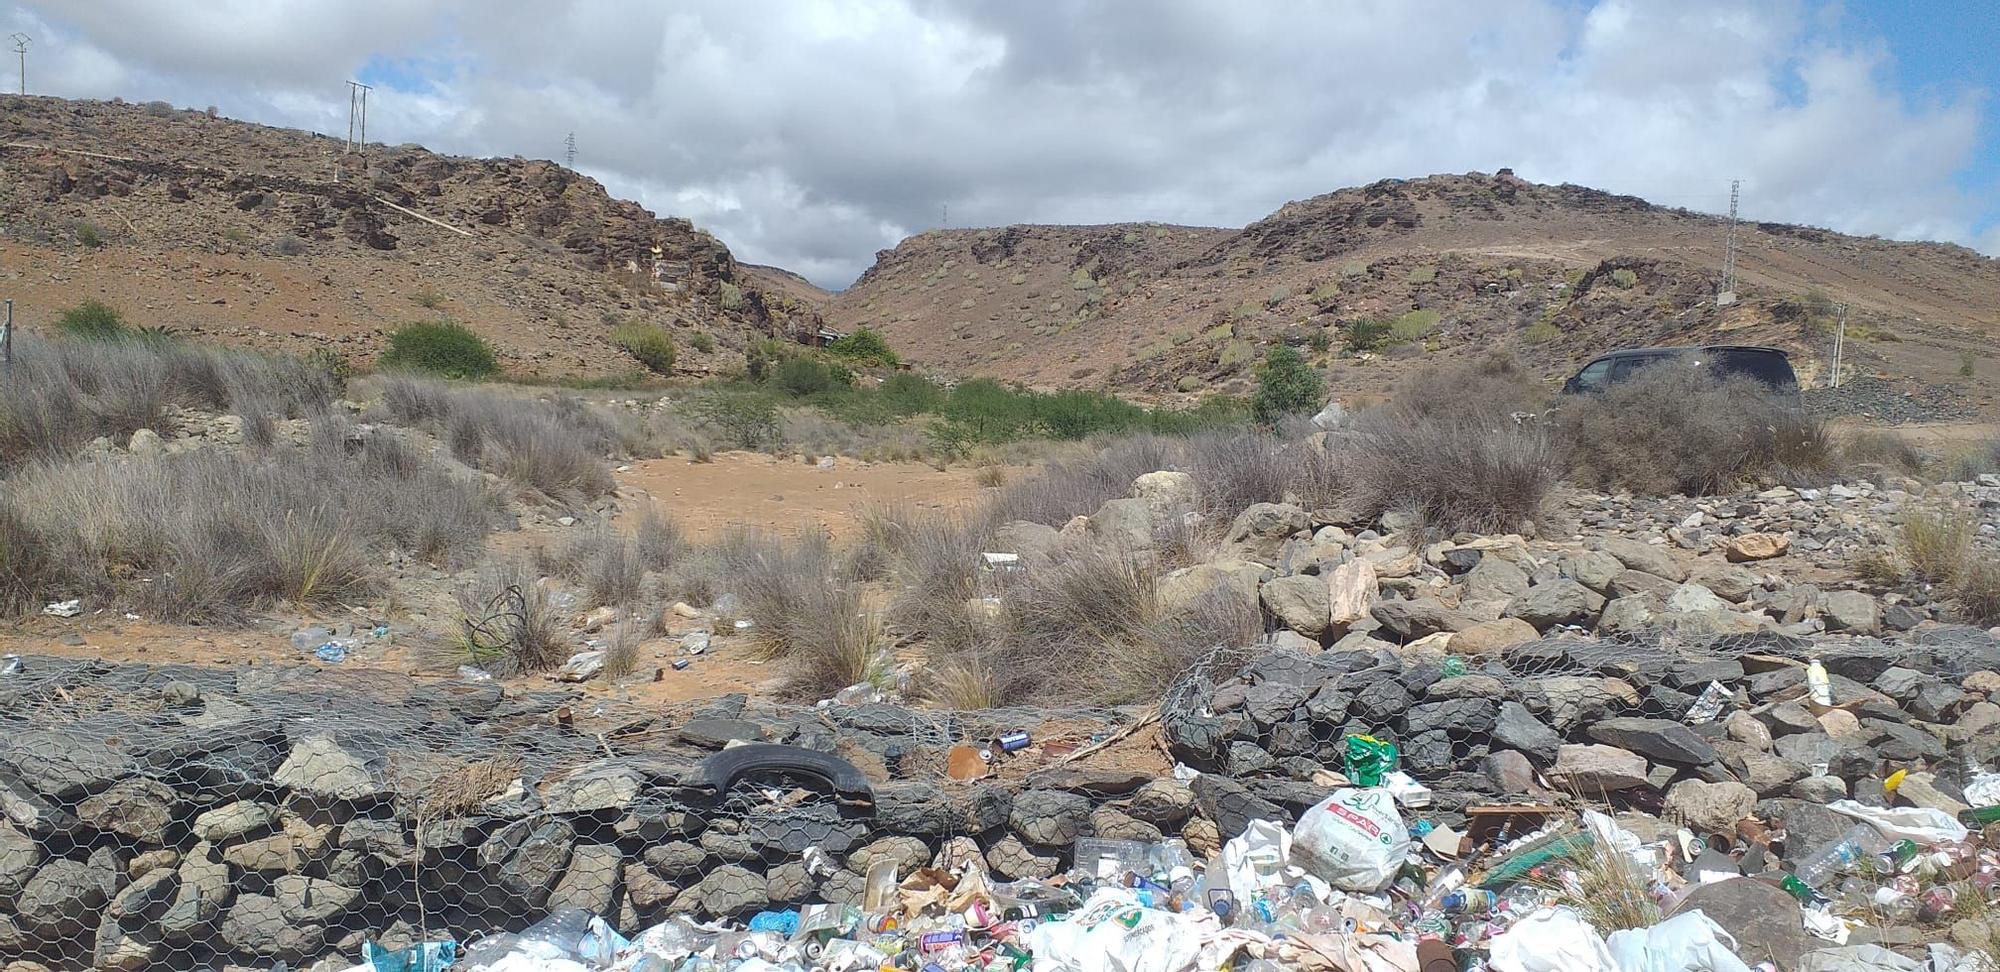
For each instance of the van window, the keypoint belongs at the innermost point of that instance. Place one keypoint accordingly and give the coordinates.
(1772, 370)
(1593, 376)
(1626, 367)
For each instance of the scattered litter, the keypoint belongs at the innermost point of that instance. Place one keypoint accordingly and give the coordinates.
(333, 653)
(695, 642)
(10, 665)
(64, 609)
(581, 666)
(681, 664)
(471, 673)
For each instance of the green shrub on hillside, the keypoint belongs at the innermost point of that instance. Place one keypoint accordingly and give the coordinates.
(867, 347)
(650, 344)
(93, 320)
(910, 394)
(802, 376)
(1624, 278)
(1286, 385)
(1412, 326)
(732, 297)
(445, 348)
(1367, 335)
(1423, 275)
(702, 342)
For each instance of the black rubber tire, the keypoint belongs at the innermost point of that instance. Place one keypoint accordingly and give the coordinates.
(723, 769)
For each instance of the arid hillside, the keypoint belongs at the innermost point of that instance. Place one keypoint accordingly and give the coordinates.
(277, 238)
(1457, 264)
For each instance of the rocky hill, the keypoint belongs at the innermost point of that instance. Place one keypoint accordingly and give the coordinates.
(1466, 263)
(277, 238)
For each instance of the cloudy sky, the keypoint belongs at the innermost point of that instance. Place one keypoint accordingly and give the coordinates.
(811, 133)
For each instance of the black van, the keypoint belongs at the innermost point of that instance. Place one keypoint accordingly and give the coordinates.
(1769, 367)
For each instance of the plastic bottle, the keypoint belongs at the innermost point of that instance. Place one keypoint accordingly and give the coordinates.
(1894, 905)
(1820, 687)
(1836, 855)
(1448, 880)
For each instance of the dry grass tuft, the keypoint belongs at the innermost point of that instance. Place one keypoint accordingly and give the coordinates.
(806, 612)
(1937, 545)
(1673, 429)
(508, 623)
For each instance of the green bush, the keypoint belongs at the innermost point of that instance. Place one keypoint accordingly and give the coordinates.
(801, 377)
(910, 394)
(1073, 415)
(650, 344)
(1423, 275)
(1412, 326)
(1624, 278)
(732, 297)
(1368, 335)
(93, 320)
(1320, 341)
(1278, 295)
(702, 342)
(867, 347)
(1326, 292)
(1286, 385)
(445, 348)
(89, 236)
(1541, 332)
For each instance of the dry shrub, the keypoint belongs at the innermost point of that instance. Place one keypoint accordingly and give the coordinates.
(60, 394)
(1969, 464)
(1606, 886)
(1937, 545)
(1077, 485)
(934, 557)
(1480, 473)
(806, 612)
(657, 541)
(991, 477)
(1888, 450)
(1673, 429)
(621, 650)
(206, 535)
(1088, 625)
(29, 570)
(1493, 385)
(1977, 590)
(507, 622)
(599, 559)
(556, 446)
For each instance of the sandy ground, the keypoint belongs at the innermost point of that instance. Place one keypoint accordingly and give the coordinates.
(755, 490)
(787, 495)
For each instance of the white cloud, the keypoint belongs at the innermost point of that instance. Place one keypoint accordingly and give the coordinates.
(809, 135)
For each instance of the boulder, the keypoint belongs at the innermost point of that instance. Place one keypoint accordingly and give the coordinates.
(1662, 740)
(1691, 597)
(1236, 581)
(1516, 728)
(62, 765)
(62, 897)
(1124, 525)
(594, 787)
(1594, 569)
(1351, 589)
(1709, 808)
(1631, 615)
(137, 808)
(309, 900)
(1032, 541)
(1165, 491)
(1164, 803)
(907, 853)
(591, 880)
(1050, 818)
(257, 925)
(1853, 612)
(231, 821)
(20, 855)
(1629, 582)
(1562, 602)
(1639, 555)
(1755, 546)
(1013, 860)
(323, 766)
(1729, 582)
(1232, 806)
(1299, 602)
(1587, 769)
(1413, 618)
(1260, 531)
(1495, 579)
(726, 891)
(1761, 918)
(1489, 637)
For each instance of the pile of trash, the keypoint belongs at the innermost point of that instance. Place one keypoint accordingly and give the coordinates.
(1360, 882)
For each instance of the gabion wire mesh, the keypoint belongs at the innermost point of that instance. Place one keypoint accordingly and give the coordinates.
(180, 818)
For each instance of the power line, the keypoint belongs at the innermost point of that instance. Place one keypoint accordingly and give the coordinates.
(21, 42)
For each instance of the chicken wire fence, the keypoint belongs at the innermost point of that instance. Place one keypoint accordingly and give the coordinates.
(186, 818)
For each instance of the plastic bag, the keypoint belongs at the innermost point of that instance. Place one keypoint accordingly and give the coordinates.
(1257, 857)
(1112, 931)
(1857, 958)
(1691, 942)
(1922, 824)
(1368, 759)
(1354, 840)
(1551, 940)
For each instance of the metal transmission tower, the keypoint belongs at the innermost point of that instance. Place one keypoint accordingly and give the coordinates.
(1727, 295)
(357, 111)
(569, 150)
(21, 42)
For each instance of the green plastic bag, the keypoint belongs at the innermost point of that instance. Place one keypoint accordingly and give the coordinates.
(1368, 759)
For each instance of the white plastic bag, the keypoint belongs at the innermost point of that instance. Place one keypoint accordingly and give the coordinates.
(1257, 857)
(1857, 958)
(1111, 931)
(1551, 940)
(1354, 840)
(1684, 943)
(1921, 824)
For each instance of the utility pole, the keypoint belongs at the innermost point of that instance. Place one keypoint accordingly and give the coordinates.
(21, 47)
(7, 338)
(1839, 344)
(569, 151)
(1727, 295)
(357, 111)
